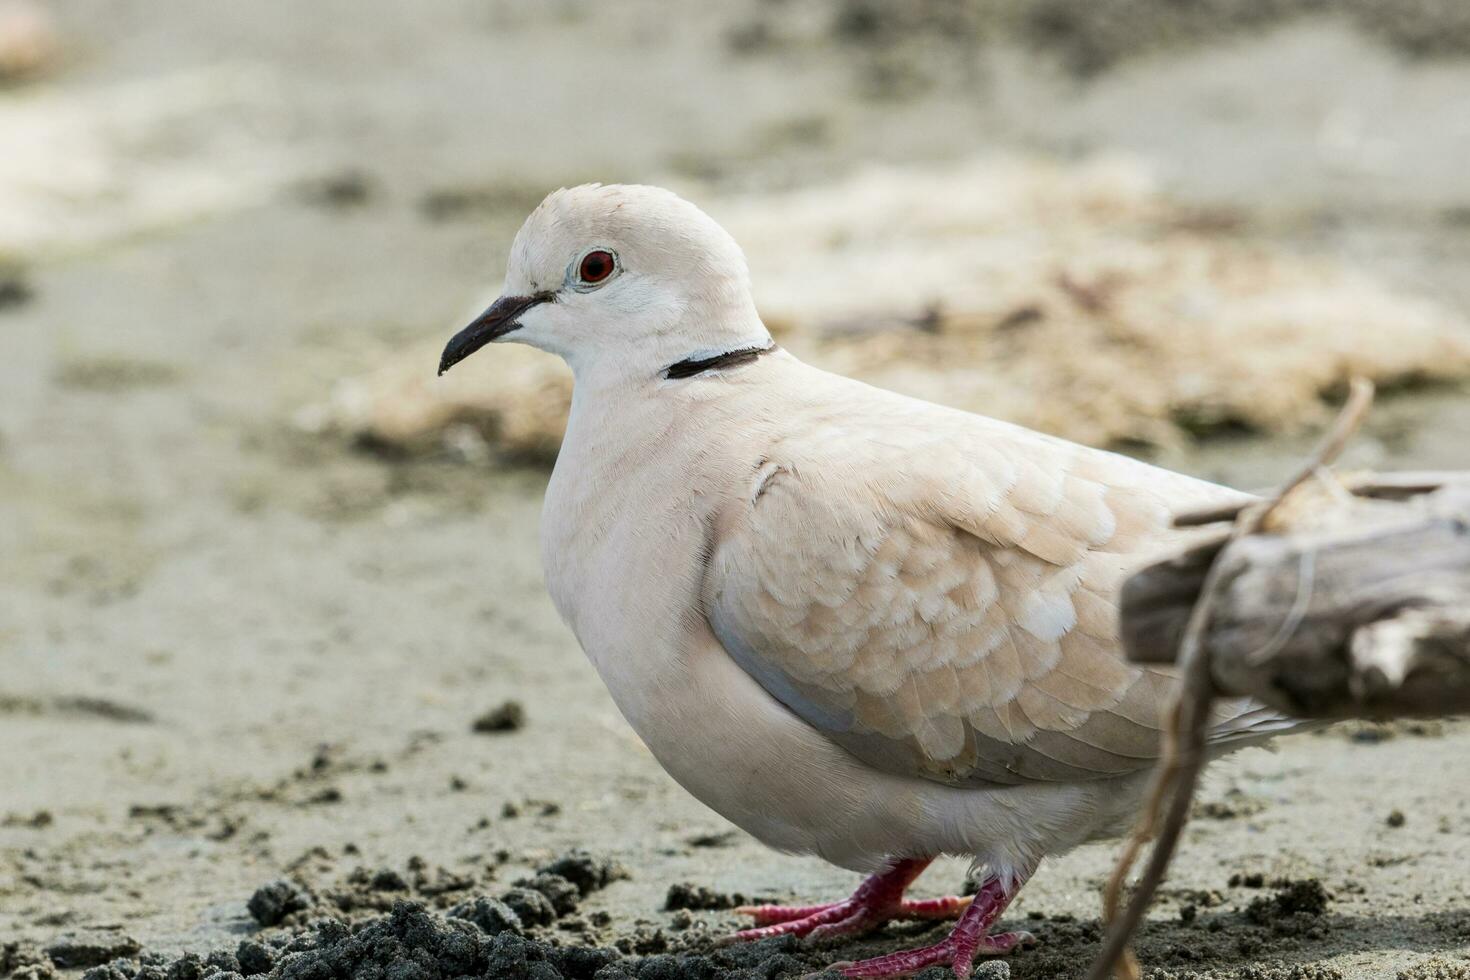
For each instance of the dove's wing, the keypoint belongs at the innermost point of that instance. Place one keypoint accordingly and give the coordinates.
(937, 594)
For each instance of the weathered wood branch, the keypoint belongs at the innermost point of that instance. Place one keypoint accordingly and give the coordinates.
(1348, 604)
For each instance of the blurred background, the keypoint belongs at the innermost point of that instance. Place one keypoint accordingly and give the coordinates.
(270, 597)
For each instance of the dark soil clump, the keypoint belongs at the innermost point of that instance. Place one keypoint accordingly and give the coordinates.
(490, 914)
(89, 948)
(477, 939)
(509, 716)
(14, 290)
(1304, 897)
(698, 898)
(272, 903)
(588, 873)
(530, 906)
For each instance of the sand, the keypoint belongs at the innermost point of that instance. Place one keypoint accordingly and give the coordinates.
(234, 650)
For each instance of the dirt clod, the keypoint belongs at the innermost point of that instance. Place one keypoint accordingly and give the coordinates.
(1247, 879)
(36, 821)
(387, 880)
(530, 906)
(698, 898)
(490, 914)
(14, 291)
(509, 716)
(1301, 897)
(16, 957)
(346, 189)
(562, 894)
(272, 903)
(587, 872)
(254, 958)
(84, 949)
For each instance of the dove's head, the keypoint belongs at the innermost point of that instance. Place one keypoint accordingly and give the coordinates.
(620, 278)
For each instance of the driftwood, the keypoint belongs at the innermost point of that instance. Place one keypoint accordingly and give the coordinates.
(1375, 625)
(1353, 602)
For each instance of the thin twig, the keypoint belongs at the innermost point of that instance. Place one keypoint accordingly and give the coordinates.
(1183, 751)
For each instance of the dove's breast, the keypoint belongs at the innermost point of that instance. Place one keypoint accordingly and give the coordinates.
(624, 541)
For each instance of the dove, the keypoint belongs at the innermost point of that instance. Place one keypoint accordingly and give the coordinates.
(856, 624)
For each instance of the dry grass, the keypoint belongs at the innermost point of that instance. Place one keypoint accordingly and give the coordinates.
(1074, 299)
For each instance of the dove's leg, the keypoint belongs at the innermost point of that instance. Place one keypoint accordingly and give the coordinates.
(969, 939)
(877, 900)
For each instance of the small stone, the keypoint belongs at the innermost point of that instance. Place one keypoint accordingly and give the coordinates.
(1396, 818)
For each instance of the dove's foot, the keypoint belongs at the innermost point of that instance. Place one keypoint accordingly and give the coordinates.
(969, 939)
(877, 900)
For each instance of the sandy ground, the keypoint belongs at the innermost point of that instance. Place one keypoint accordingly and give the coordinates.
(229, 649)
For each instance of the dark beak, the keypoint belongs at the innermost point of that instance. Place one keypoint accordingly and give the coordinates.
(497, 321)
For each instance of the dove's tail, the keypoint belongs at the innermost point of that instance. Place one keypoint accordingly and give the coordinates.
(1247, 722)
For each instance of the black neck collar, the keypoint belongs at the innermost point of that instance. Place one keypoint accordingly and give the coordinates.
(689, 367)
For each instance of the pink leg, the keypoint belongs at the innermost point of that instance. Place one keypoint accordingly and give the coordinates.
(969, 939)
(877, 900)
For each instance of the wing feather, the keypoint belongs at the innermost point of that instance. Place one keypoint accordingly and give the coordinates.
(943, 605)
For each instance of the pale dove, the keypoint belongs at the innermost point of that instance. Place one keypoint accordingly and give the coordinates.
(856, 624)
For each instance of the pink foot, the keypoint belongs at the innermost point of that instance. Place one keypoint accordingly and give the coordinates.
(877, 900)
(969, 939)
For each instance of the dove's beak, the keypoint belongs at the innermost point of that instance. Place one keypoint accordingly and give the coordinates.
(499, 319)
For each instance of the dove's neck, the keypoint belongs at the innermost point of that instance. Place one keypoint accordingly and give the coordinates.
(707, 334)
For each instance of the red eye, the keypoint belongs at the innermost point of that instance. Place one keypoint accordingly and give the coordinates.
(596, 266)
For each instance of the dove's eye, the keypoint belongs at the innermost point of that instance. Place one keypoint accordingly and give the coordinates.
(596, 266)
